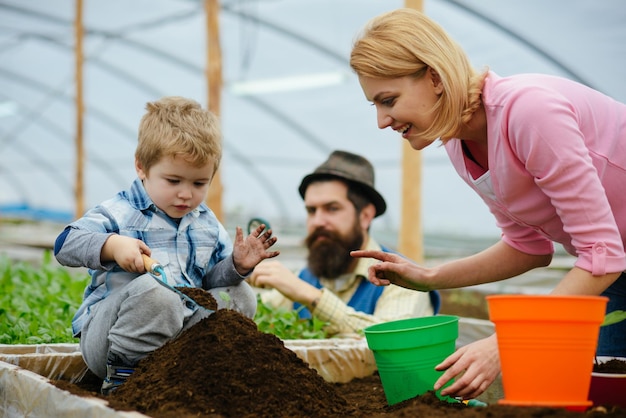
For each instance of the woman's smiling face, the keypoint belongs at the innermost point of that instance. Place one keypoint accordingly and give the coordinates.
(405, 104)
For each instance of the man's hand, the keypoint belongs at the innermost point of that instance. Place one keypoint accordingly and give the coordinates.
(251, 251)
(275, 275)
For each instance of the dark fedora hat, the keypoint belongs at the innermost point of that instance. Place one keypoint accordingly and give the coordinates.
(355, 170)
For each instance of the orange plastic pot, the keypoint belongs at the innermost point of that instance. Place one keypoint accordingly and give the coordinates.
(547, 344)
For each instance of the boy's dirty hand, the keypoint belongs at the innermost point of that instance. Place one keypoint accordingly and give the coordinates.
(249, 252)
(126, 252)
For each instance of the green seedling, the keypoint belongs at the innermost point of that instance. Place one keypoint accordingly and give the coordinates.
(610, 319)
(613, 318)
(226, 298)
(287, 324)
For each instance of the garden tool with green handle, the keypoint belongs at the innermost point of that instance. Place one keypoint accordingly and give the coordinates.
(156, 269)
(255, 223)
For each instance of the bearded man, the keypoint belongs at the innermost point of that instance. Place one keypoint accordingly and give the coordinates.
(341, 203)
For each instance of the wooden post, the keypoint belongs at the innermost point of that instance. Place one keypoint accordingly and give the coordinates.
(411, 236)
(79, 187)
(214, 88)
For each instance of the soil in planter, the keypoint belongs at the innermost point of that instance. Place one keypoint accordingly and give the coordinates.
(225, 367)
(616, 366)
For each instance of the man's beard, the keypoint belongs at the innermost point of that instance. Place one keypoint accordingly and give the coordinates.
(330, 258)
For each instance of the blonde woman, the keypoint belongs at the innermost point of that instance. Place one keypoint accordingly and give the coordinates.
(547, 155)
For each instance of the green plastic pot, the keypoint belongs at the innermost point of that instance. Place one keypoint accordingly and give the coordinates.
(406, 353)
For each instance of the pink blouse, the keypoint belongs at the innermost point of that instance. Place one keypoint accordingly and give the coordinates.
(557, 165)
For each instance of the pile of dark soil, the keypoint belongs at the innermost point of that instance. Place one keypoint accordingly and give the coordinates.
(225, 367)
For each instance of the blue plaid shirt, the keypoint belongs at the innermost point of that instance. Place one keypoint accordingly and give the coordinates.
(189, 249)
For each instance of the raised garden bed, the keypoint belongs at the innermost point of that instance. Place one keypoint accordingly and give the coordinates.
(227, 368)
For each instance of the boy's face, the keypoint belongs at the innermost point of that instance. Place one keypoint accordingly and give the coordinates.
(175, 185)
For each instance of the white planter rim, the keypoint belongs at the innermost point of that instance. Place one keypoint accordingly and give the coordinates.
(604, 359)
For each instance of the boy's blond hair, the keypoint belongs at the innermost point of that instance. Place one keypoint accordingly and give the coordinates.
(174, 126)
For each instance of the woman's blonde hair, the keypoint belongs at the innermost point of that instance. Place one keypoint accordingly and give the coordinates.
(405, 42)
(176, 126)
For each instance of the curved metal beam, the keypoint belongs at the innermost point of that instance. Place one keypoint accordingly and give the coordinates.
(57, 131)
(14, 183)
(523, 41)
(290, 123)
(38, 86)
(308, 42)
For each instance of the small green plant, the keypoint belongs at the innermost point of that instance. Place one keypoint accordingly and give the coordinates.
(613, 318)
(37, 303)
(226, 298)
(609, 319)
(287, 324)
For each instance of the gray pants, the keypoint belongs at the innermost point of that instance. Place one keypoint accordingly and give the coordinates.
(143, 315)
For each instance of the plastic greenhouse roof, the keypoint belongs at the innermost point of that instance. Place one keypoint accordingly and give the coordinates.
(140, 50)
